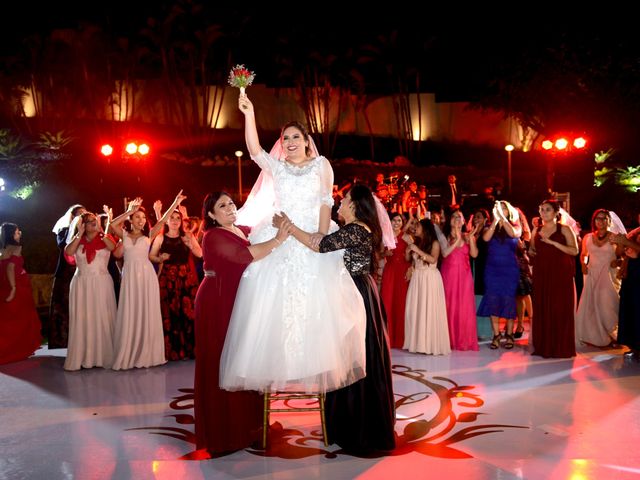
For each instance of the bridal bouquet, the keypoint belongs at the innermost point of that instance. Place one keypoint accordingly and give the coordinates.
(240, 77)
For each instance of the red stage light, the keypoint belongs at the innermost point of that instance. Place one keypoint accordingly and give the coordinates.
(131, 148)
(106, 150)
(561, 143)
(547, 144)
(579, 142)
(143, 149)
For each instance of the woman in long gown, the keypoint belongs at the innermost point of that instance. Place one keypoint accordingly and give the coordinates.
(629, 317)
(295, 324)
(361, 417)
(597, 315)
(502, 273)
(395, 284)
(224, 421)
(478, 264)
(58, 322)
(19, 321)
(139, 339)
(175, 251)
(553, 246)
(92, 300)
(426, 328)
(458, 284)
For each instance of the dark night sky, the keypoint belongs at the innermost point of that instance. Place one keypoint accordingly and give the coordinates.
(463, 47)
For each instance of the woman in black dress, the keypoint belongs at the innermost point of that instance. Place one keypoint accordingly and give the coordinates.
(360, 417)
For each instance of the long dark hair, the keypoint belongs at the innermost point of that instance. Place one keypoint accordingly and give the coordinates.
(446, 229)
(425, 243)
(364, 208)
(207, 206)
(7, 231)
(146, 228)
(553, 203)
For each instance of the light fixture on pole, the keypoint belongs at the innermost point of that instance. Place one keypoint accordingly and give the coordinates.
(509, 148)
(239, 154)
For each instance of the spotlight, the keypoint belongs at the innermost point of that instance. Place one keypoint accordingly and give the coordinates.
(106, 150)
(131, 148)
(143, 149)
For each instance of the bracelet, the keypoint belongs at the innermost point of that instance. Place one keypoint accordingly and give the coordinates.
(276, 239)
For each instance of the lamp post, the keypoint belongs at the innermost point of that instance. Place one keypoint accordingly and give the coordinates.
(239, 155)
(509, 148)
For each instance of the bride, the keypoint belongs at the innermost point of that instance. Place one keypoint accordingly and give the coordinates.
(298, 322)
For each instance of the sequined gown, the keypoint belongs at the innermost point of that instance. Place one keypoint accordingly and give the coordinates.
(361, 417)
(298, 321)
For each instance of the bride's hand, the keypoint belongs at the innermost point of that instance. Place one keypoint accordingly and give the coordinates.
(245, 105)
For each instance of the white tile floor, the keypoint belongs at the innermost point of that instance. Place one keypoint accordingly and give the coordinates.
(474, 415)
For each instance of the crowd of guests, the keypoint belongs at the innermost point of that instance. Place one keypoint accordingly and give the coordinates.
(277, 296)
(487, 274)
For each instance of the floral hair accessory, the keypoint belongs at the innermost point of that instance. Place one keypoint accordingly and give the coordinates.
(240, 77)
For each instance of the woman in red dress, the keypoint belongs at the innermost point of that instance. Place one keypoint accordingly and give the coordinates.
(19, 321)
(225, 421)
(395, 283)
(553, 248)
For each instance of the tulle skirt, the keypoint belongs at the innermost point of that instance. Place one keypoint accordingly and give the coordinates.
(298, 324)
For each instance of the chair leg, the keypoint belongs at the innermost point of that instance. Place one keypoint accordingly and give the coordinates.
(322, 420)
(265, 419)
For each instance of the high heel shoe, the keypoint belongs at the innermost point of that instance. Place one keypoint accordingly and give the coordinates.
(519, 331)
(509, 343)
(495, 342)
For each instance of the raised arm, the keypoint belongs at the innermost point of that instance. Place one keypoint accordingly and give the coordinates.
(158, 226)
(116, 223)
(73, 245)
(250, 129)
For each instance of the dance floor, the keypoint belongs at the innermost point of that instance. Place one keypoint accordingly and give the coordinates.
(490, 414)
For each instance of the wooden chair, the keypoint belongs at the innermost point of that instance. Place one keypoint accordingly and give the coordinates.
(270, 397)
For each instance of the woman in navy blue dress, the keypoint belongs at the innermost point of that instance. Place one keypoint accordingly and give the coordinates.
(501, 272)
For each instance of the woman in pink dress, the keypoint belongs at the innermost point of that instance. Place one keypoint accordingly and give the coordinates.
(597, 315)
(458, 283)
(224, 421)
(395, 283)
(19, 319)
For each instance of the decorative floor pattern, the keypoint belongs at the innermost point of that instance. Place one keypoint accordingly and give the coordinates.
(488, 414)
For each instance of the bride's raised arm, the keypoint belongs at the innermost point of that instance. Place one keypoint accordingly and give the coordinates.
(250, 129)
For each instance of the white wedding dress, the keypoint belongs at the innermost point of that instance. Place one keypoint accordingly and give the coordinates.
(298, 322)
